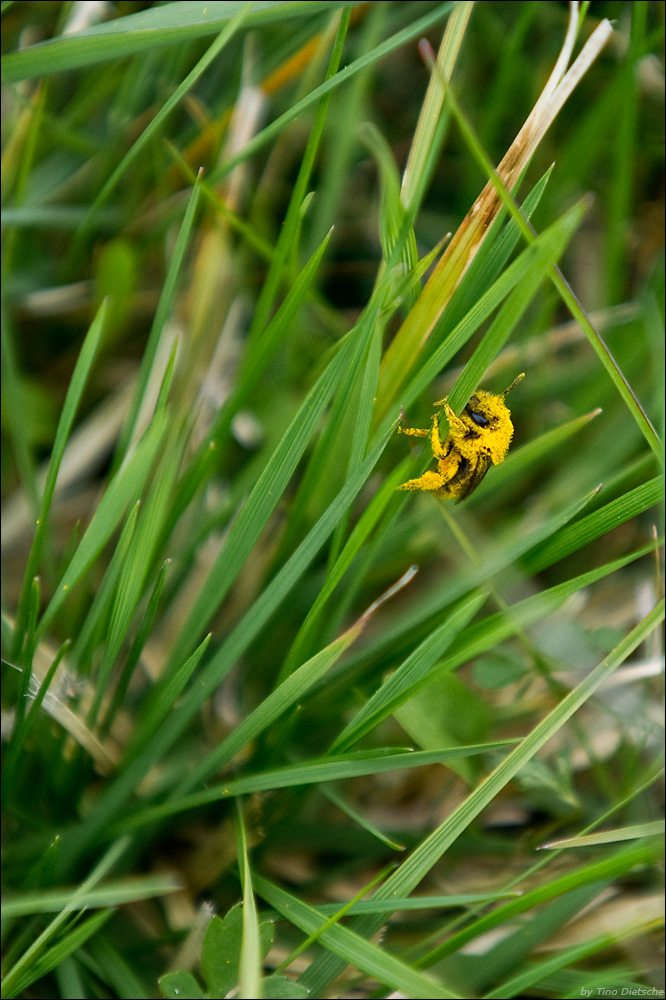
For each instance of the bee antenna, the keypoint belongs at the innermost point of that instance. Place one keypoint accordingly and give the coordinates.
(514, 383)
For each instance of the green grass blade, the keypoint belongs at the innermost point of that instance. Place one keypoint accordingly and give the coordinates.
(384, 48)
(515, 949)
(217, 668)
(170, 24)
(634, 832)
(362, 529)
(569, 956)
(391, 212)
(23, 728)
(13, 402)
(415, 903)
(625, 126)
(138, 563)
(337, 768)
(30, 637)
(409, 676)
(255, 361)
(252, 367)
(317, 486)
(574, 537)
(351, 948)
(172, 102)
(136, 648)
(616, 866)
(53, 957)
(341, 136)
(433, 117)
(75, 391)
(608, 361)
(341, 767)
(284, 697)
(565, 291)
(161, 315)
(553, 243)
(414, 869)
(287, 242)
(160, 703)
(118, 972)
(122, 490)
(260, 504)
(491, 260)
(364, 389)
(336, 916)
(250, 954)
(92, 630)
(23, 971)
(110, 893)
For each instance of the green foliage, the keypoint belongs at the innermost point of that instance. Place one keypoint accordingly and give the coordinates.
(220, 954)
(238, 663)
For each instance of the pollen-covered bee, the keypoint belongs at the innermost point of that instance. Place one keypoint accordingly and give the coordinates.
(478, 438)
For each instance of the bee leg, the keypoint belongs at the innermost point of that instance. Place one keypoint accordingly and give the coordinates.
(456, 425)
(441, 449)
(413, 432)
(435, 439)
(429, 481)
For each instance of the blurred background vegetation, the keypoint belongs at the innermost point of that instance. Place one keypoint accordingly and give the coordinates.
(181, 327)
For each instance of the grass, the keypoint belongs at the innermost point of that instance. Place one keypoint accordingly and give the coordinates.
(260, 704)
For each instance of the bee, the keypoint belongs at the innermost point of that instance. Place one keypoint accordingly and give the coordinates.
(478, 438)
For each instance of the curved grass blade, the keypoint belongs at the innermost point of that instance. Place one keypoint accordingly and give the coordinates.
(362, 529)
(547, 551)
(408, 677)
(24, 971)
(172, 102)
(575, 536)
(22, 730)
(415, 868)
(111, 893)
(138, 563)
(552, 244)
(606, 870)
(635, 832)
(92, 629)
(218, 667)
(136, 648)
(287, 242)
(157, 327)
(314, 772)
(121, 491)
(76, 386)
(368, 59)
(537, 971)
(169, 24)
(250, 953)
(54, 957)
(252, 367)
(530, 267)
(350, 947)
(562, 286)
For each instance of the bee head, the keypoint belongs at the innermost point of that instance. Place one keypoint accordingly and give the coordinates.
(489, 421)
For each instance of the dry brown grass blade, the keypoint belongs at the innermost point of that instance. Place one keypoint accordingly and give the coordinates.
(419, 324)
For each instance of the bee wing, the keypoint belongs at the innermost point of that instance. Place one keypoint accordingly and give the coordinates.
(475, 476)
